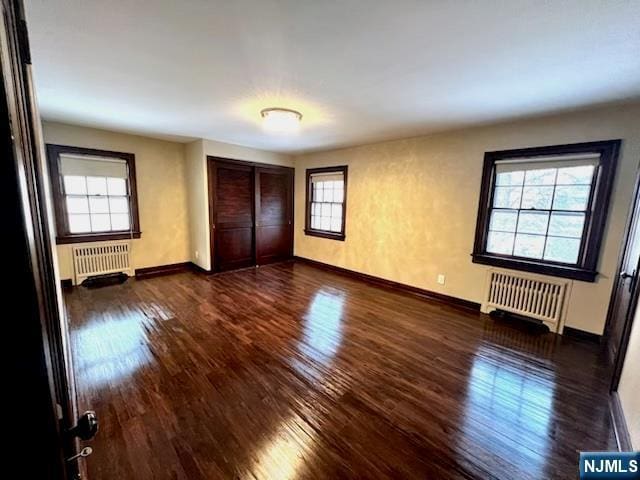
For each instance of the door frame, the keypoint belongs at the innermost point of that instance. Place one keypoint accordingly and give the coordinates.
(617, 416)
(211, 184)
(633, 216)
(42, 328)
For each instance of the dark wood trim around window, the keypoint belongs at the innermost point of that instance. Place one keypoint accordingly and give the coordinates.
(343, 169)
(62, 228)
(586, 268)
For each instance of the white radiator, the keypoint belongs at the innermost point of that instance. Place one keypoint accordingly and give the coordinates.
(534, 296)
(100, 259)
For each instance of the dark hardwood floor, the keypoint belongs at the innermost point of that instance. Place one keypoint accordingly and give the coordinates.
(289, 371)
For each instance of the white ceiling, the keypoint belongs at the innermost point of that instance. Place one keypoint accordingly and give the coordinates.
(358, 70)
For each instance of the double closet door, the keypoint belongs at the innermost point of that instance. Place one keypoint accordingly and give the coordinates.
(251, 217)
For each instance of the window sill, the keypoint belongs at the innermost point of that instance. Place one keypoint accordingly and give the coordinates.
(323, 234)
(574, 273)
(96, 237)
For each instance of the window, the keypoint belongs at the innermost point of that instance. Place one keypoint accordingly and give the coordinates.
(326, 202)
(544, 209)
(94, 194)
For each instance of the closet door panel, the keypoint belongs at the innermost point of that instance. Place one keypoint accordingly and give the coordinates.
(233, 228)
(274, 212)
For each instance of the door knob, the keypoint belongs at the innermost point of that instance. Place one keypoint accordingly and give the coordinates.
(87, 426)
(625, 275)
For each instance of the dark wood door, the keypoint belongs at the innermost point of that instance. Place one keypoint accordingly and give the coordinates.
(274, 212)
(233, 219)
(38, 382)
(625, 291)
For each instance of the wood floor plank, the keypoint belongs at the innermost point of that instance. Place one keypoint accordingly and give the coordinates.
(289, 371)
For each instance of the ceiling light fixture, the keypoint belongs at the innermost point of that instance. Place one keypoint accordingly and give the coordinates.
(281, 120)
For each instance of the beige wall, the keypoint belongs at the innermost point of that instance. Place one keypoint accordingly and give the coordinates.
(629, 389)
(236, 152)
(172, 191)
(197, 191)
(412, 204)
(162, 193)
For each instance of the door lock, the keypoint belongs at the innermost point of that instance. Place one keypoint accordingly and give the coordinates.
(85, 452)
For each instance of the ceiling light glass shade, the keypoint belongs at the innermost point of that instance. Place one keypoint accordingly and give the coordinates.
(281, 120)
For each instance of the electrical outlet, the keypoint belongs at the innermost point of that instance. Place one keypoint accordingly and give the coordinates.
(441, 279)
(197, 254)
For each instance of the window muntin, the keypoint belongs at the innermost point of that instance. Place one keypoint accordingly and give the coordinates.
(326, 202)
(327, 199)
(540, 209)
(528, 190)
(96, 204)
(94, 194)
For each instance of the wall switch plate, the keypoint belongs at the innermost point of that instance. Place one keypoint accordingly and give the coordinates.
(441, 279)
(197, 254)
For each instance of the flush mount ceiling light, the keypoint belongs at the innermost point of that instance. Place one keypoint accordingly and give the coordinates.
(281, 120)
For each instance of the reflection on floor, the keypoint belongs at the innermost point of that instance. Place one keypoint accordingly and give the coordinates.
(291, 372)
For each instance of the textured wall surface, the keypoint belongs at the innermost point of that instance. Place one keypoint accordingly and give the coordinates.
(198, 195)
(162, 193)
(237, 152)
(412, 204)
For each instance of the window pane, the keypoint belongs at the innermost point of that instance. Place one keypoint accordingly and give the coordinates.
(507, 197)
(530, 246)
(77, 205)
(571, 198)
(99, 204)
(541, 177)
(328, 194)
(539, 210)
(510, 178)
(315, 222)
(336, 210)
(116, 186)
(500, 242)
(326, 210)
(336, 224)
(119, 221)
(562, 249)
(504, 220)
(100, 222)
(338, 195)
(533, 222)
(338, 184)
(96, 185)
(537, 197)
(119, 204)
(318, 195)
(79, 223)
(74, 185)
(575, 175)
(317, 209)
(325, 223)
(566, 224)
